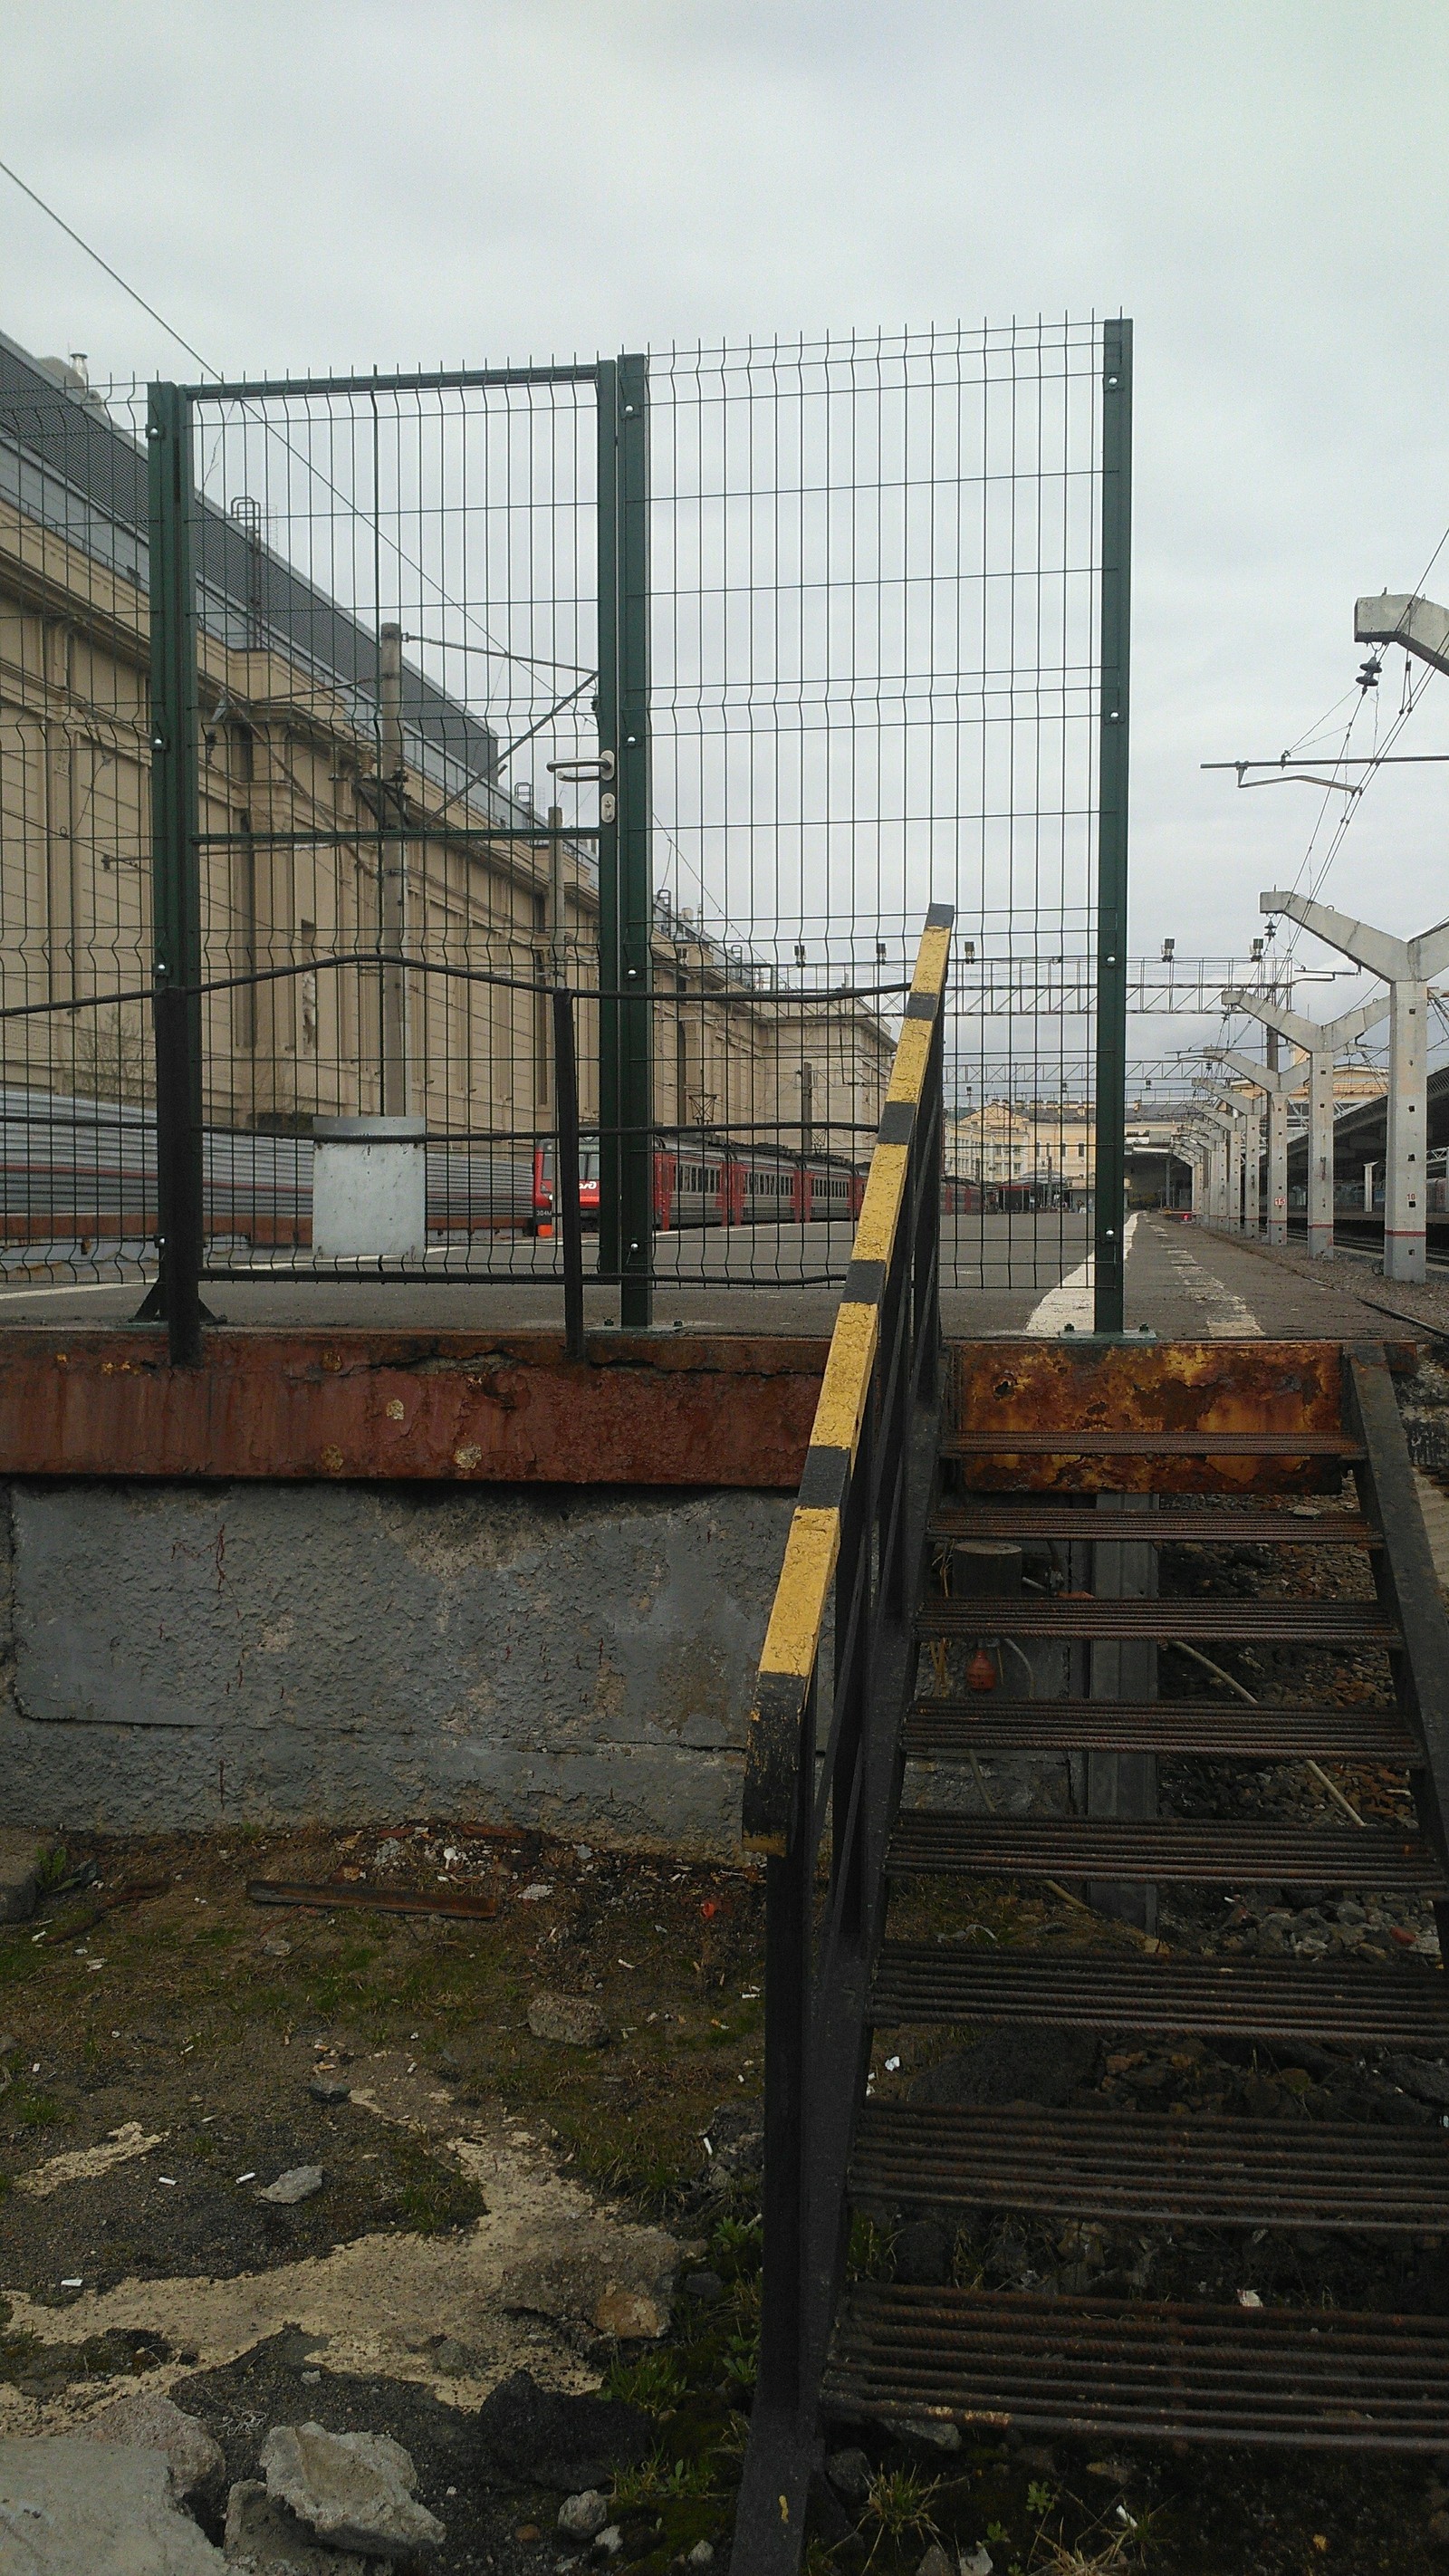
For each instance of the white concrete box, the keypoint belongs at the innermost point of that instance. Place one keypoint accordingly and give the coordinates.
(369, 1188)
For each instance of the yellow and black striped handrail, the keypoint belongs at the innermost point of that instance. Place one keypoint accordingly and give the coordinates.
(797, 1620)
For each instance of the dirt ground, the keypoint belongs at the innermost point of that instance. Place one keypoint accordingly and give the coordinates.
(494, 2202)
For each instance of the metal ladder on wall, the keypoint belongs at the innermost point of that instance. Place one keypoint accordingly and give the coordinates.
(1008, 1443)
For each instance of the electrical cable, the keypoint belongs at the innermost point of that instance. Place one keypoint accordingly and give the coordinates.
(503, 651)
(114, 273)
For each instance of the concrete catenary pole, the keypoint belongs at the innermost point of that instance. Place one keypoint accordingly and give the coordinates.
(1198, 1147)
(1322, 1042)
(1277, 1089)
(1405, 965)
(1232, 1109)
(1220, 1125)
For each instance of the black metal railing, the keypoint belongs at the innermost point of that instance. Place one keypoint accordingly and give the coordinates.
(821, 1810)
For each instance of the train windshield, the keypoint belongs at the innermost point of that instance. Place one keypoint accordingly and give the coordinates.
(588, 1162)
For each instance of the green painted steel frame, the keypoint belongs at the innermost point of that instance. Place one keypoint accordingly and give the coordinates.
(626, 892)
(175, 872)
(1112, 765)
(626, 882)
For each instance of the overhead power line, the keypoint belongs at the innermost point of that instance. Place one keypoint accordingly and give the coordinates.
(114, 273)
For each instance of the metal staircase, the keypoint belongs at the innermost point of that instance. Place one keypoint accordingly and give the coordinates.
(919, 1455)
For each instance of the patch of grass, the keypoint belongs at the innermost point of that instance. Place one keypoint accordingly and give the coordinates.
(617, 2150)
(19, 1960)
(654, 2383)
(38, 2110)
(740, 2239)
(427, 2196)
(868, 2255)
(52, 1870)
(898, 2508)
(660, 2480)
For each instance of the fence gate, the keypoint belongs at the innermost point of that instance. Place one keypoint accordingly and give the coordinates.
(400, 798)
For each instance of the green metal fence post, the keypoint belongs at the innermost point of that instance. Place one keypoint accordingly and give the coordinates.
(1115, 654)
(636, 868)
(626, 889)
(607, 705)
(175, 873)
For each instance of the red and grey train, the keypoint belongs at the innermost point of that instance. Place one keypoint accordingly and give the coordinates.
(711, 1180)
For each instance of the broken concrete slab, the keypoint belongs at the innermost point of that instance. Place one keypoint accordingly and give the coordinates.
(145, 2420)
(22, 1857)
(354, 2490)
(263, 2539)
(70, 2505)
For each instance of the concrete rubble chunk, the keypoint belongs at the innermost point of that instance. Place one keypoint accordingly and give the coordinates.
(263, 2539)
(609, 2273)
(571, 2021)
(938, 2561)
(849, 2473)
(330, 2088)
(73, 2507)
(354, 2490)
(22, 1855)
(298, 2183)
(150, 2422)
(582, 2517)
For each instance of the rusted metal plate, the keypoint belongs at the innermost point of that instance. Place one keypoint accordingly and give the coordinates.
(468, 1408)
(1164, 1392)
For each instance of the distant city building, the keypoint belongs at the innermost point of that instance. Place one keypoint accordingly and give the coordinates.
(1042, 1142)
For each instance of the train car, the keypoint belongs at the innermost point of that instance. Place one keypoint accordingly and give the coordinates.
(542, 1211)
(710, 1181)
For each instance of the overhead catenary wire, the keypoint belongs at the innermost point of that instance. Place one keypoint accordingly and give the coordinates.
(208, 368)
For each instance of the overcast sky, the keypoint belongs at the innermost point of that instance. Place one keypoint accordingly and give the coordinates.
(1261, 187)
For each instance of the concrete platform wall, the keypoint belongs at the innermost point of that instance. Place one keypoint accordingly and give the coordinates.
(180, 1654)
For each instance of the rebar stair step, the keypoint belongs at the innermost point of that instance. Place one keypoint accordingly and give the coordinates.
(1200, 1443)
(1337, 1625)
(1212, 1852)
(951, 1730)
(1202, 2172)
(1403, 2007)
(1311, 2377)
(1168, 1524)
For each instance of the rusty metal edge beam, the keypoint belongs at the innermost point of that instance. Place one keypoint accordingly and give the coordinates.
(677, 1409)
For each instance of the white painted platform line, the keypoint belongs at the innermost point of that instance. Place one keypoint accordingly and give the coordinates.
(71, 1288)
(1071, 1303)
(1224, 1315)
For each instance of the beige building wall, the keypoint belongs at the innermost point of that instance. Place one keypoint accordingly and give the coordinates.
(290, 884)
